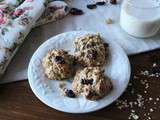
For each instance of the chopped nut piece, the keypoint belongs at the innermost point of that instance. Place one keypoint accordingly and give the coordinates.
(66, 92)
(109, 21)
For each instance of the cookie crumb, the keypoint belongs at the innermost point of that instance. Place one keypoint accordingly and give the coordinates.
(62, 85)
(66, 92)
(62, 88)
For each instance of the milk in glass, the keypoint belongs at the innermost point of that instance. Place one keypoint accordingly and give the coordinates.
(140, 18)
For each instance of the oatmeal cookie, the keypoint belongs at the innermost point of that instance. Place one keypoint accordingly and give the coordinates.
(58, 64)
(91, 83)
(90, 50)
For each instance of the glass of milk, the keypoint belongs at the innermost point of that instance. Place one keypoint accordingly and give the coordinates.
(140, 18)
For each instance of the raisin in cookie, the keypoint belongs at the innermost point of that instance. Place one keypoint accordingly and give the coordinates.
(58, 64)
(90, 50)
(91, 83)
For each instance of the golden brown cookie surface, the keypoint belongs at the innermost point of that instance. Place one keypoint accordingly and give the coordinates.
(58, 64)
(90, 50)
(91, 83)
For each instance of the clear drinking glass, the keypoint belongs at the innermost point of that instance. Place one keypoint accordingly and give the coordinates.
(140, 18)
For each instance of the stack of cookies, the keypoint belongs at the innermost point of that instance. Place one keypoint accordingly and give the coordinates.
(91, 53)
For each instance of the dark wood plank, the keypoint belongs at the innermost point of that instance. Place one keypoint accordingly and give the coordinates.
(17, 102)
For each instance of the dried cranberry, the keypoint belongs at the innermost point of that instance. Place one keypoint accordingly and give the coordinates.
(113, 2)
(75, 11)
(100, 3)
(70, 93)
(87, 81)
(92, 6)
(92, 54)
(59, 59)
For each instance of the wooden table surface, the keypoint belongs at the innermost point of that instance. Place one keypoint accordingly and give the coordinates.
(140, 100)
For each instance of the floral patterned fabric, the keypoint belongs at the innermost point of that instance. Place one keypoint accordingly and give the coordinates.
(16, 20)
(17, 17)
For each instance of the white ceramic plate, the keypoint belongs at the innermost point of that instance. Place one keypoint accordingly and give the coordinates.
(117, 68)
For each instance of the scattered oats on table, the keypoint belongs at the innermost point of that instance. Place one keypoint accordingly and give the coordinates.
(142, 101)
(133, 116)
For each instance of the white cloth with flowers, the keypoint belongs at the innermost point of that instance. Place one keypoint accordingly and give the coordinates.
(17, 17)
(92, 20)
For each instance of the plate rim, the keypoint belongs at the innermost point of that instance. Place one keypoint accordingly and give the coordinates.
(81, 112)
